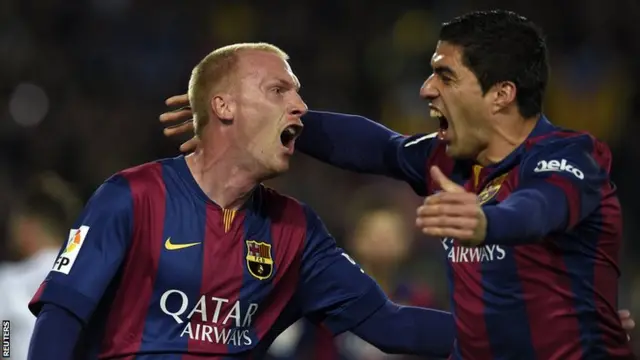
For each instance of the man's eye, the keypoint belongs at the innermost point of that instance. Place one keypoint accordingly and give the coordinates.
(278, 89)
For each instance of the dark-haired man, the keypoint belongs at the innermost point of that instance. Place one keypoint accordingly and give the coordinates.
(528, 217)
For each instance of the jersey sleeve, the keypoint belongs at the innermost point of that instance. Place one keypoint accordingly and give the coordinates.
(93, 253)
(334, 290)
(407, 157)
(558, 187)
(355, 143)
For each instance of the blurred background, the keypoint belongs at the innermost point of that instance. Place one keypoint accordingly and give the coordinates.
(83, 82)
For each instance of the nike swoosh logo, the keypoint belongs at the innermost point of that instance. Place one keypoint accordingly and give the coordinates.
(170, 246)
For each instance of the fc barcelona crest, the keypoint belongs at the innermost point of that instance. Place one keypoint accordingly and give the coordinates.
(259, 260)
(491, 189)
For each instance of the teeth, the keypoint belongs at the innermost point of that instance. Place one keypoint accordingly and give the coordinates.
(289, 134)
(435, 113)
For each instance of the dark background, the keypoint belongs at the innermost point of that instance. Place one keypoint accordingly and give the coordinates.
(83, 82)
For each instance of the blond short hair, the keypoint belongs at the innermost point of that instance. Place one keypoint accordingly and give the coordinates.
(212, 73)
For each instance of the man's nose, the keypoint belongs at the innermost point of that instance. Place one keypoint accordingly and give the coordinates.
(428, 90)
(298, 108)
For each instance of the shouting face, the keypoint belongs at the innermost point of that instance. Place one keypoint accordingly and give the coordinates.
(267, 111)
(457, 101)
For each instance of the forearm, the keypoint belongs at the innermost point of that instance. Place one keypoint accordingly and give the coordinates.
(398, 329)
(350, 142)
(526, 216)
(55, 334)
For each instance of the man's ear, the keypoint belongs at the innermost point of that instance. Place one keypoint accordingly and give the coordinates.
(504, 95)
(223, 107)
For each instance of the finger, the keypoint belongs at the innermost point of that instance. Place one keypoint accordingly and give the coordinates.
(178, 100)
(178, 129)
(444, 197)
(447, 222)
(448, 210)
(458, 234)
(177, 115)
(624, 314)
(189, 145)
(445, 183)
(628, 324)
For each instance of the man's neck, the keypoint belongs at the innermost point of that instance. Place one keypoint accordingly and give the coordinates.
(506, 139)
(221, 178)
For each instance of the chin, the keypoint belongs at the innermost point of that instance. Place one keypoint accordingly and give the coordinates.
(283, 168)
(276, 170)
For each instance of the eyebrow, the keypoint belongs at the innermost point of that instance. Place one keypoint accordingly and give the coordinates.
(289, 84)
(444, 70)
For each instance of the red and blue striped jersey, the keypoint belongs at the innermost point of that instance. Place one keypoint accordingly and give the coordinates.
(156, 270)
(550, 296)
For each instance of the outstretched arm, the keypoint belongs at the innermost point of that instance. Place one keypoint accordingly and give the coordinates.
(355, 143)
(336, 292)
(396, 329)
(350, 142)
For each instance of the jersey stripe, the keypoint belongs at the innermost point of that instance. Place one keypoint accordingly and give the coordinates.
(605, 274)
(582, 284)
(545, 294)
(221, 270)
(510, 309)
(573, 197)
(541, 294)
(131, 302)
(256, 228)
(289, 223)
(163, 332)
(505, 311)
(467, 291)
(581, 272)
(457, 289)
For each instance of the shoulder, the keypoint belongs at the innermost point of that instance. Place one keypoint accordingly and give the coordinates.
(125, 187)
(561, 138)
(144, 174)
(142, 181)
(567, 151)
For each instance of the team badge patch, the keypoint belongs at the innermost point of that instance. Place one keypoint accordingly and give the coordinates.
(491, 189)
(259, 260)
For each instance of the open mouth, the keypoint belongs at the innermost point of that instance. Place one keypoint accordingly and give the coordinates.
(444, 123)
(289, 134)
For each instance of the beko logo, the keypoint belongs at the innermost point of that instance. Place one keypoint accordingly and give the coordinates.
(558, 166)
